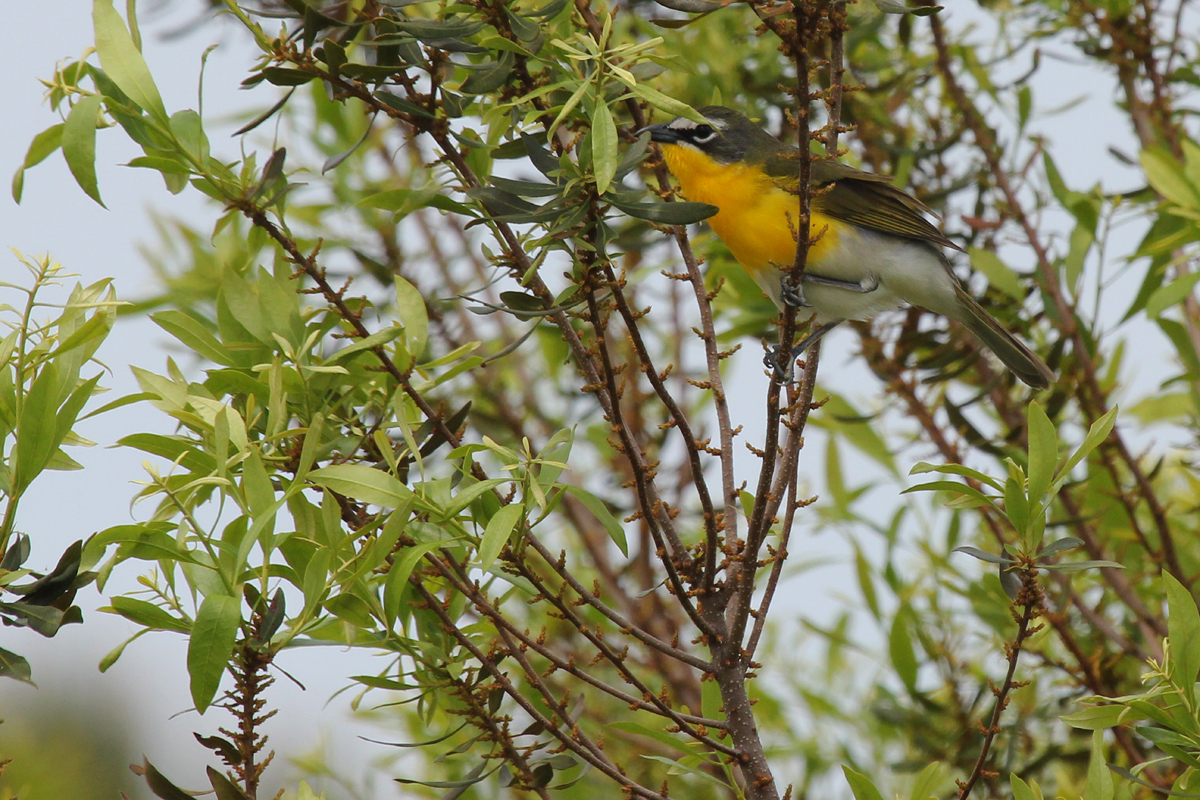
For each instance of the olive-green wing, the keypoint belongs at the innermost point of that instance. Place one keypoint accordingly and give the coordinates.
(860, 198)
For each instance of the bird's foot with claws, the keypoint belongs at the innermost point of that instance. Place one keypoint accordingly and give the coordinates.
(793, 294)
(770, 359)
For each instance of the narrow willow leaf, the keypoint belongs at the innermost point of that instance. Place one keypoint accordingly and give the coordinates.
(1095, 718)
(594, 504)
(149, 615)
(888, 7)
(1183, 631)
(40, 148)
(123, 62)
(1096, 434)
(79, 144)
(266, 115)
(495, 536)
(999, 274)
(162, 787)
(1171, 294)
(362, 483)
(861, 785)
(669, 213)
(15, 667)
(491, 77)
(211, 645)
(1164, 173)
(901, 651)
(1099, 779)
(604, 147)
(398, 575)
(983, 555)
(1043, 452)
(410, 306)
(929, 781)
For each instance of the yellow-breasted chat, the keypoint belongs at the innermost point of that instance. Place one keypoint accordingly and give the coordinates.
(874, 249)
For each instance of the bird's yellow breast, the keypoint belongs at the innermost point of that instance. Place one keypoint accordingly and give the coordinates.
(757, 220)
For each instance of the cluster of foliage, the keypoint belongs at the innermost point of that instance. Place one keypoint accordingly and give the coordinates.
(508, 457)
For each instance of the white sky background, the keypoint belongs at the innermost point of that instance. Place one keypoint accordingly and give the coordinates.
(149, 683)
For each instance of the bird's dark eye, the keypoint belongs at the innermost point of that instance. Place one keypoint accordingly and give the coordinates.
(703, 133)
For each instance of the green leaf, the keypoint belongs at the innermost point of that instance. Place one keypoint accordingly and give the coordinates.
(36, 429)
(983, 555)
(352, 610)
(1183, 632)
(282, 76)
(840, 417)
(224, 788)
(900, 648)
(960, 489)
(998, 273)
(15, 667)
(1096, 718)
(1059, 546)
(46, 620)
(594, 504)
(604, 146)
(148, 615)
(430, 30)
(161, 786)
(495, 536)
(683, 765)
(397, 577)
(1171, 294)
(1043, 452)
(211, 645)
(866, 582)
(861, 785)
(1024, 791)
(79, 144)
(669, 213)
(464, 497)
(491, 77)
(1163, 408)
(923, 467)
(888, 7)
(1095, 436)
(1129, 776)
(928, 782)
(1099, 779)
(40, 148)
(370, 343)
(1167, 177)
(1016, 505)
(659, 736)
(123, 62)
(362, 483)
(111, 657)
(410, 306)
(192, 333)
(664, 102)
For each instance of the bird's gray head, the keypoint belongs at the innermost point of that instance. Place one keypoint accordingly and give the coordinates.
(726, 136)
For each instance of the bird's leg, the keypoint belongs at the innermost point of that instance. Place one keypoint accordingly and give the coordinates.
(793, 295)
(813, 337)
(865, 286)
(798, 349)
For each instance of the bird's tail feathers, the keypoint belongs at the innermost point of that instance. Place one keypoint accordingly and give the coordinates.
(1024, 363)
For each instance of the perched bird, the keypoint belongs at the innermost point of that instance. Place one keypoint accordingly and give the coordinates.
(874, 248)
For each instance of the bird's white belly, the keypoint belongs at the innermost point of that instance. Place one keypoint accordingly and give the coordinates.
(907, 271)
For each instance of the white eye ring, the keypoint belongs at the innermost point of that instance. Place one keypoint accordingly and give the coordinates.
(707, 137)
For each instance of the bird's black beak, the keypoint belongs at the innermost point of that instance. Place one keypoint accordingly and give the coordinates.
(660, 133)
